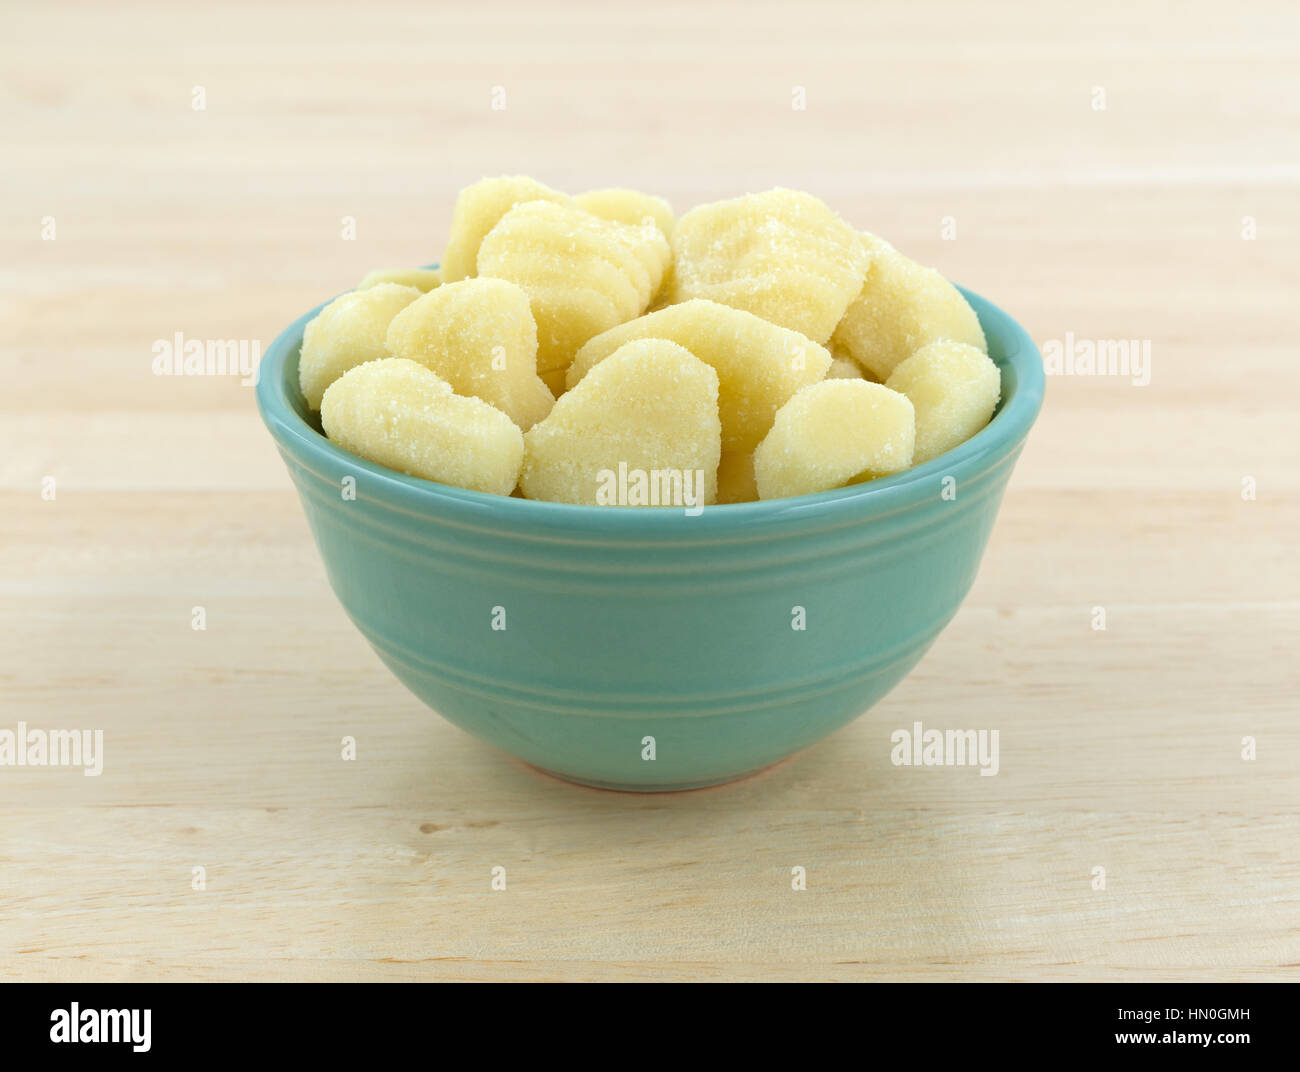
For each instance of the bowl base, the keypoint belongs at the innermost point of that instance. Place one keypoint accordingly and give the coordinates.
(684, 787)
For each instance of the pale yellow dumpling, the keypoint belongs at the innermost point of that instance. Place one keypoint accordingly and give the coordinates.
(399, 414)
(628, 206)
(641, 429)
(954, 389)
(736, 477)
(479, 336)
(527, 364)
(348, 332)
(759, 365)
(901, 307)
(423, 279)
(478, 209)
(583, 274)
(782, 255)
(832, 434)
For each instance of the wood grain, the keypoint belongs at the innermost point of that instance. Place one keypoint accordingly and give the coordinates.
(1120, 749)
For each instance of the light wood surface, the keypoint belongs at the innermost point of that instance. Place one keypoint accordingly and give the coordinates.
(1120, 748)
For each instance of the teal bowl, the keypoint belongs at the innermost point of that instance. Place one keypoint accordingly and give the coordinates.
(640, 648)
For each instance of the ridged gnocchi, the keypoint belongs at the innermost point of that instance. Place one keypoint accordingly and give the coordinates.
(583, 274)
(597, 350)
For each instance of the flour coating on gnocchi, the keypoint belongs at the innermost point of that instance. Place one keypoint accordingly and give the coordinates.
(479, 336)
(597, 350)
(759, 364)
(834, 433)
(584, 274)
(398, 413)
(349, 331)
(901, 307)
(478, 209)
(649, 409)
(782, 255)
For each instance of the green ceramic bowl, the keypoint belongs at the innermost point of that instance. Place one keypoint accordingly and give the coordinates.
(586, 640)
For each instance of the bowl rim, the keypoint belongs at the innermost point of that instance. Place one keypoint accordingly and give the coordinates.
(996, 443)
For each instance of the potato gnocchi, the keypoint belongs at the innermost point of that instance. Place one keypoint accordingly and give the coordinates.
(648, 412)
(628, 206)
(954, 389)
(781, 255)
(583, 274)
(759, 365)
(398, 413)
(596, 350)
(479, 336)
(834, 433)
(900, 307)
(478, 209)
(349, 331)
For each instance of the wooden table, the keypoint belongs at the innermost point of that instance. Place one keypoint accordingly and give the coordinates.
(1115, 171)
